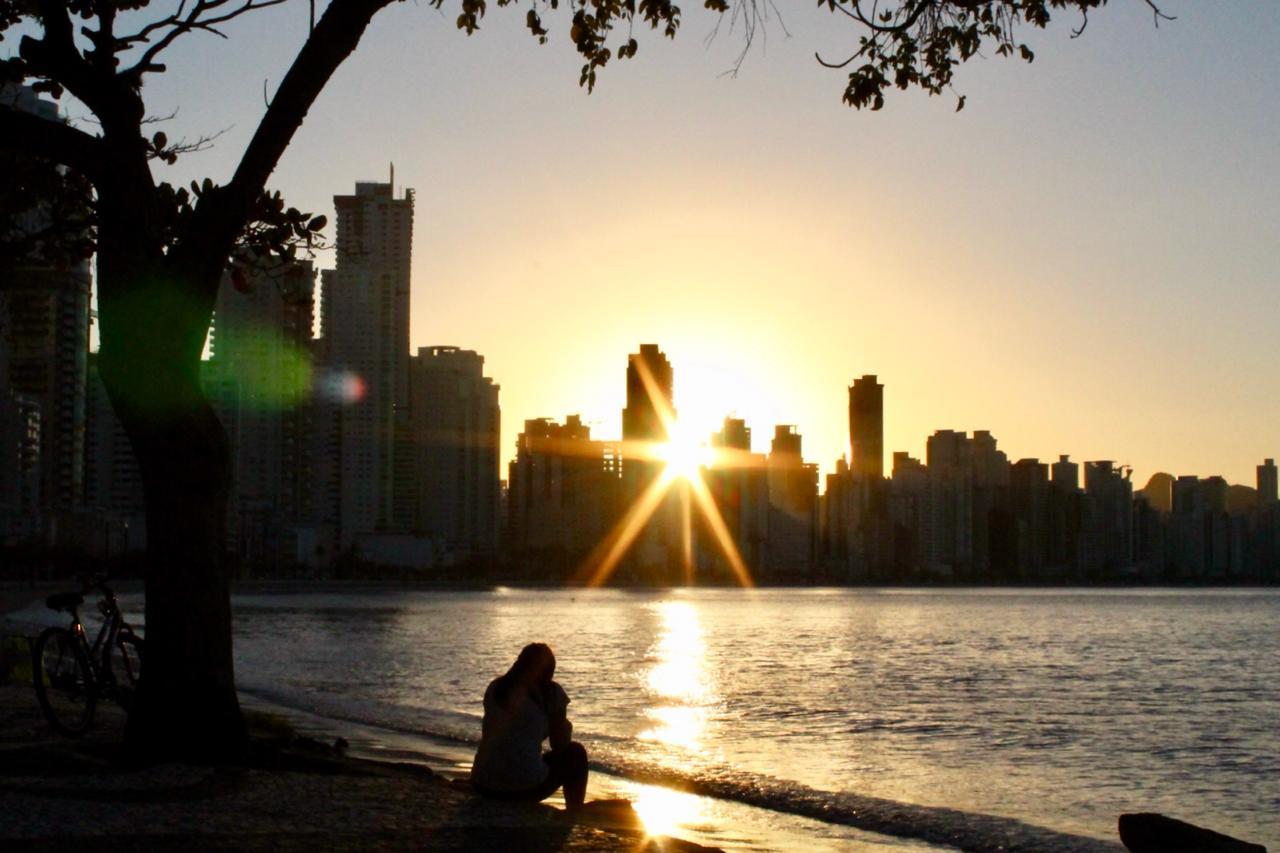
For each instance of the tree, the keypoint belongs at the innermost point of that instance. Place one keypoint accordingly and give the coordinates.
(162, 251)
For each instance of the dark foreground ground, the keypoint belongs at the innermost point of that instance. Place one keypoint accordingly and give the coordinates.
(299, 795)
(296, 794)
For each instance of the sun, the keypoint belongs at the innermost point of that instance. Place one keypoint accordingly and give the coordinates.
(684, 460)
(683, 454)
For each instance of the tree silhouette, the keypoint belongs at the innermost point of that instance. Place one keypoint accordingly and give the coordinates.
(161, 251)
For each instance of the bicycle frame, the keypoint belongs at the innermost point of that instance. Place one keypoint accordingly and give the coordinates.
(112, 626)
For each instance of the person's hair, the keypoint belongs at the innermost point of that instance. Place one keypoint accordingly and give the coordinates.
(532, 670)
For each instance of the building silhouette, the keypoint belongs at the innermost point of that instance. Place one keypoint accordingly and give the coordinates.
(1108, 521)
(642, 419)
(365, 328)
(866, 428)
(793, 508)
(259, 379)
(563, 495)
(1266, 483)
(20, 506)
(1030, 503)
(452, 455)
(657, 554)
(44, 332)
(739, 485)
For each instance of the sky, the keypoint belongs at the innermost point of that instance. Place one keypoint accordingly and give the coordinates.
(1085, 260)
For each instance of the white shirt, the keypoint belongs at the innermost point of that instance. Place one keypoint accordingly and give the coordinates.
(510, 754)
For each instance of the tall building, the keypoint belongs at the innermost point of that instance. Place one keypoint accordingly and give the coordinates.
(948, 520)
(453, 450)
(866, 428)
(45, 331)
(1029, 483)
(793, 508)
(1266, 525)
(1066, 474)
(19, 466)
(1108, 522)
(657, 554)
(734, 435)
(259, 380)
(908, 506)
(650, 388)
(1200, 543)
(365, 326)
(1267, 483)
(563, 495)
(739, 485)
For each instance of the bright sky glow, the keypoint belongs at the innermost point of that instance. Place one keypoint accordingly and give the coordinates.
(684, 453)
(1083, 261)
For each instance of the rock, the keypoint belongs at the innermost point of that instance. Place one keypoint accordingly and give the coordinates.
(1155, 833)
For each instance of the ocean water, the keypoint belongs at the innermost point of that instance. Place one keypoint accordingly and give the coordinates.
(979, 719)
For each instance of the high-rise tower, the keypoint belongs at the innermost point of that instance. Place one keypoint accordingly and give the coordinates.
(866, 428)
(1267, 482)
(46, 334)
(650, 389)
(258, 379)
(365, 323)
(453, 485)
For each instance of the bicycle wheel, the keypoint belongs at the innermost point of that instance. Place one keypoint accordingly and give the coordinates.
(65, 687)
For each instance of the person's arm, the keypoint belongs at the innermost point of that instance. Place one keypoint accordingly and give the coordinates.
(559, 729)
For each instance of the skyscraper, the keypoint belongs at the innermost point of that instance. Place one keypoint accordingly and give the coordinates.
(1108, 524)
(563, 496)
(259, 381)
(453, 450)
(793, 507)
(1267, 482)
(1066, 474)
(650, 390)
(735, 435)
(866, 428)
(365, 326)
(46, 332)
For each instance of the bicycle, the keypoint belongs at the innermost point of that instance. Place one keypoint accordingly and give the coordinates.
(70, 676)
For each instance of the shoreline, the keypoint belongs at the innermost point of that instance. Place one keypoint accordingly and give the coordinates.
(293, 795)
(343, 727)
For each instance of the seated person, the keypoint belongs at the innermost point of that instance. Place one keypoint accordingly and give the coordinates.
(521, 709)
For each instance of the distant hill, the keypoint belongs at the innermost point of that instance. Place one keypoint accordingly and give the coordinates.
(1159, 491)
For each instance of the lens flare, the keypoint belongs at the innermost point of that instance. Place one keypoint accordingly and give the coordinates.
(683, 455)
(684, 459)
(341, 386)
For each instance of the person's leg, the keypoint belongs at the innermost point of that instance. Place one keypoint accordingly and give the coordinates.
(569, 768)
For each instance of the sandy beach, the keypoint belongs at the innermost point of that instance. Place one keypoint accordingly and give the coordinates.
(295, 794)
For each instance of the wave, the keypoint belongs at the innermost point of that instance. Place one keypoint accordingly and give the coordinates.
(956, 828)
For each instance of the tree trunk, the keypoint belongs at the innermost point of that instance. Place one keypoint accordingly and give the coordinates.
(153, 317)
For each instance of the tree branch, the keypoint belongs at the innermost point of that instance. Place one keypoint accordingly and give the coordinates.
(29, 135)
(56, 57)
(221, 213)
(181, 26)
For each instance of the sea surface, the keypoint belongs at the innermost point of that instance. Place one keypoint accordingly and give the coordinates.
(979, 719)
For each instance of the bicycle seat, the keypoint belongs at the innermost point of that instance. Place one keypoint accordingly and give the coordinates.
(64, 600)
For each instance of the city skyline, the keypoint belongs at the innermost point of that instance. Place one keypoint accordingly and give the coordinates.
(899, 419)
(1068, 263)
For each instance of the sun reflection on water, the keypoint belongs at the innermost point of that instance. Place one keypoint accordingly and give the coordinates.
(679, 681)
(664, 811)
